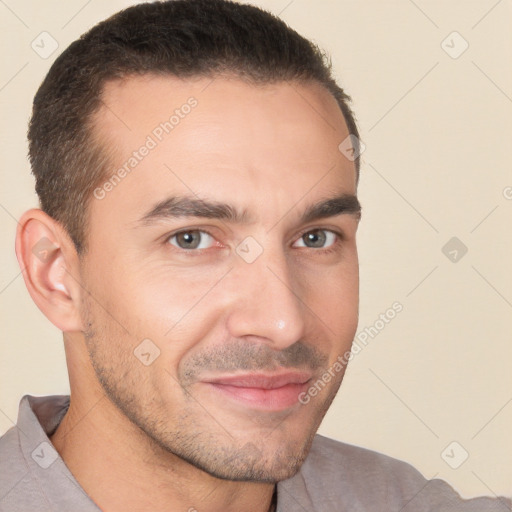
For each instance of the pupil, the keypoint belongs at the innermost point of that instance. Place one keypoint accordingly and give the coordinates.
(315, 239)
(189, 239)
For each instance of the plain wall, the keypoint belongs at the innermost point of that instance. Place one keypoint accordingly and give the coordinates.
(438, 134)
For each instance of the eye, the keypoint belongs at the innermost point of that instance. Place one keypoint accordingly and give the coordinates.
(192, 239)
(316, 239)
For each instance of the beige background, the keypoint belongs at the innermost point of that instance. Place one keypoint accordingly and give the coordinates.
(437, 165)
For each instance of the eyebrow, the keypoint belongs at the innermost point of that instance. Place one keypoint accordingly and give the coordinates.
(187, 206)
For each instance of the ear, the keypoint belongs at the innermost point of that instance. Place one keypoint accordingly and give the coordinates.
(50, 266)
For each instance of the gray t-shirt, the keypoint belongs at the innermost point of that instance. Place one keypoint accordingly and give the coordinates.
(335, 477)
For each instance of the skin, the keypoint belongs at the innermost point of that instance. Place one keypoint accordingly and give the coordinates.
(157, 437)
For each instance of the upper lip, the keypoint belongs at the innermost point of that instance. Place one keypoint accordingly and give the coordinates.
(261, 380)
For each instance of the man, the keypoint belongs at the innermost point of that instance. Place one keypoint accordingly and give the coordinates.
(196, 244)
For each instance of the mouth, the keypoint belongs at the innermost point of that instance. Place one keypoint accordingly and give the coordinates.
(266, 392)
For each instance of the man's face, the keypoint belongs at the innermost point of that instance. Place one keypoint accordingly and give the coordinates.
(240, 313)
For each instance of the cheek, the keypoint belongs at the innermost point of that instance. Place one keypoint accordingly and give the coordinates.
(169, 299)
(335, 300)
(146, 297)
(175, 308)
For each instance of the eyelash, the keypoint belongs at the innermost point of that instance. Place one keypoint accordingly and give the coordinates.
(331, 248)
(327, 250)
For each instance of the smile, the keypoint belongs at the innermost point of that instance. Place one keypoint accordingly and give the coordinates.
(268, 392)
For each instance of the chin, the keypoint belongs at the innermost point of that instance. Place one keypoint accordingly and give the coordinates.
(257, 461)
(261, 470)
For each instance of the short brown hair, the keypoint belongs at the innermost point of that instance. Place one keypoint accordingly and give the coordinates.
(184, 38)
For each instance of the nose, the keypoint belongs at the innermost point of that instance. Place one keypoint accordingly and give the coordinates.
(267, 306)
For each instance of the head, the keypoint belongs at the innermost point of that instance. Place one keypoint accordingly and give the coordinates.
(199, 224)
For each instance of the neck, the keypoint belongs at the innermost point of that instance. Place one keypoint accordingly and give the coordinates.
(122, 469)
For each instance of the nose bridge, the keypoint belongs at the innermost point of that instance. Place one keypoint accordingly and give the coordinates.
(267, 304)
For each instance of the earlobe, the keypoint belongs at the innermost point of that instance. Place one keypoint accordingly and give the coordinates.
(49, 264)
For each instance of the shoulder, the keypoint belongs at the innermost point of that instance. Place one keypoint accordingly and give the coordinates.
(353, 467)
(15, 477)
(346, 459)
(336, 475)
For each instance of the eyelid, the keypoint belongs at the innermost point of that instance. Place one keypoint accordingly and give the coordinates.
(166, 239)
(186, 229)
(169, 236)
(339, 236)
(334, 230)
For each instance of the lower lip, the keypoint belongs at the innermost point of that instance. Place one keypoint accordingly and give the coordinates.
(264, 399)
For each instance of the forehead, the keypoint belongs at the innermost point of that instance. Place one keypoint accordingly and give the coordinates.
(220, 136)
